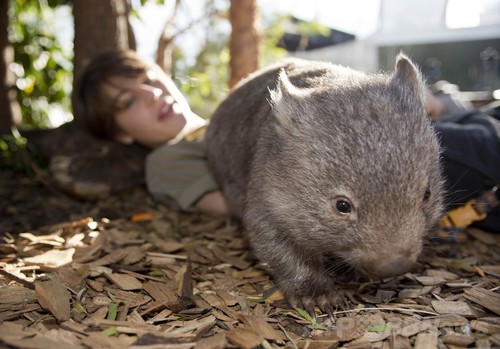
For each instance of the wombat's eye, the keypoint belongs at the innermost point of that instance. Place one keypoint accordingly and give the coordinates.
(427, 194)
(343, 206)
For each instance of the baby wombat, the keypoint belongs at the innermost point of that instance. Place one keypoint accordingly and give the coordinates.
(331, 170)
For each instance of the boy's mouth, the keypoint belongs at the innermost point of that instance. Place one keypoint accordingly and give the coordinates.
(166, 111)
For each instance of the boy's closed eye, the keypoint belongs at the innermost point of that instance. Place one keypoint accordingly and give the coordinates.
(124, 101)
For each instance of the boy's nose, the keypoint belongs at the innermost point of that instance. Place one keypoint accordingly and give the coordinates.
(151, 93)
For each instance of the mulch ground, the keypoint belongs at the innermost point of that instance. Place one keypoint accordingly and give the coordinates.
(125, 272)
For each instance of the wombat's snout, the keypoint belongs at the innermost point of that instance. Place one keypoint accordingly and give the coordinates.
(387, 267)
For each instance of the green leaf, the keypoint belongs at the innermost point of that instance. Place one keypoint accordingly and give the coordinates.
(135, 14)
(79, 306)
(256, 299)
(379, 329)
(111, 331)
(112, 312)
(37, 49)
(155, 271)
(309, 318)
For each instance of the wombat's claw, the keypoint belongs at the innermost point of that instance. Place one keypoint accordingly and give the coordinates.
(310, 310)
(336, 301)
(341, 301)
(327, 303)
(343, 305)
(305, 303)
(332, 317)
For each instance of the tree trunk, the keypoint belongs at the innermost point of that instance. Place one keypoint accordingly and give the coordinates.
(10, 113)
(164, 51)
(132, 43)
(244, 42)
(100, 25)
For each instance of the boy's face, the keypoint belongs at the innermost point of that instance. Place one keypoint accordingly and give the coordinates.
(149, 108)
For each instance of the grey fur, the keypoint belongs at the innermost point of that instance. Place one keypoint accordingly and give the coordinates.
(293, 139)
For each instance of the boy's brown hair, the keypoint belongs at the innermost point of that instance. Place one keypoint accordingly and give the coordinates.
(89, 102)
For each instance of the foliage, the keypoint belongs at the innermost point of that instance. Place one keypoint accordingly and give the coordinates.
(313, 28)
(274, 29)
(135, 13)
(17, 154)
(205, 89)
(158, 2)
(206, 82)
(43, 66)
(202, 74)
(309, 318)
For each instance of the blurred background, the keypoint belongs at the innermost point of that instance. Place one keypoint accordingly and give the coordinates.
(457, 41)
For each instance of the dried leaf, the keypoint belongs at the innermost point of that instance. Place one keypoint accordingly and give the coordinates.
(53, 296)
(430, 280)
(449, 307)
(262, 327)
(13, 294)
(182, 260)
(460, 340)
(245, 339)
(488, 299)
(124, 281)
(485, 327)
(217, 341)
(52, 258)
(425, 340)
(142, 216)
(450, 320)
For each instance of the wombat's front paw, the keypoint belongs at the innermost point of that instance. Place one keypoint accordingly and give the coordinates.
(327, 300)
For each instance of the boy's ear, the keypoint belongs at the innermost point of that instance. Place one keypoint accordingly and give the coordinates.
(123, 138)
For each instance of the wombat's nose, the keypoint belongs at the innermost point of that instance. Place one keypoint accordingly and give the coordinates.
(389, 267)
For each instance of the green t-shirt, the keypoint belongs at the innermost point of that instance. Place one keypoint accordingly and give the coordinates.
(177, 174)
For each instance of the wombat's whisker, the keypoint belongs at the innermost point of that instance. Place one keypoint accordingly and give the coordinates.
(450, 192)
(464, 173)
(336, 266)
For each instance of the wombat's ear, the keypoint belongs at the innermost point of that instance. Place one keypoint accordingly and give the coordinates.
(285, 99)
(408, 82)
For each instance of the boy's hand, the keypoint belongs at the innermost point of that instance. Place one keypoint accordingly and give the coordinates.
(213, 202)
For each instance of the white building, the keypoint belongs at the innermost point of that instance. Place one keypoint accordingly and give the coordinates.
(427, 30)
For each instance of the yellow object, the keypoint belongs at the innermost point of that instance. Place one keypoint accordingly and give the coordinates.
(463, 216)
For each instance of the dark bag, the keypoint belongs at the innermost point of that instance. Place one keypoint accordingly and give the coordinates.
(471, 158)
